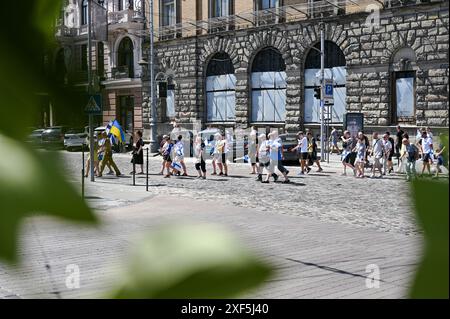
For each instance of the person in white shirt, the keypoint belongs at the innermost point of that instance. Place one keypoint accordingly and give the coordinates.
(179, 154)
(264, 158)
(217, 154)
(276, 156)
(377, 151)
(426, 147)
(302, 149)
(225, 150)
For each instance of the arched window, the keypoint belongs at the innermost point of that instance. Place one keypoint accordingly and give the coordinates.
(84, 12)
(220, 89)
(403, 103)
(125, 59)
(335, 70)
(268, 80)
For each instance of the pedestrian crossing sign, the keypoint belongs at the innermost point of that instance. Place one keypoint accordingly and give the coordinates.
(94, 105)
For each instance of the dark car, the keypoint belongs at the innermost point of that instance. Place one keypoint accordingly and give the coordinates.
(53, 137)
(35, 138)
(289, 141)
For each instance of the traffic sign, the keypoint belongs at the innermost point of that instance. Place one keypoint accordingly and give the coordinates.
(94, 105)
(328, 94)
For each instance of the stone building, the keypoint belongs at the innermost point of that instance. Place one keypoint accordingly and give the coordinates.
(116, 51)
(238, 63)
(387, 59)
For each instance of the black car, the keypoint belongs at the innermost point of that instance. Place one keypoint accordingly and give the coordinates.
(53, 137)
(289, 141)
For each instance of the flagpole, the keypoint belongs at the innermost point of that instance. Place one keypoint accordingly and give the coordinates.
(91, 116)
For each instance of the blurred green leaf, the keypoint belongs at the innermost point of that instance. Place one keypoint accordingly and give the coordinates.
(27, 62)
(431, 202)
(32, 182)
(44, 15)
(444, 141)
(191, 261)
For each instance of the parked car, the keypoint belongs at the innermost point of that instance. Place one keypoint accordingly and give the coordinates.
(75, 139)
(289, 141)
(35, 138)
(53, 137)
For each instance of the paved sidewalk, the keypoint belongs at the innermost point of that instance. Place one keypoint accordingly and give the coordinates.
(315, 259)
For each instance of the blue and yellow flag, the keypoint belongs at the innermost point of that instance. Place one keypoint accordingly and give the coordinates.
(116, 131)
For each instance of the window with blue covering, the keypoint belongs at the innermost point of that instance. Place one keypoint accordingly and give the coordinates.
(220, 89)
(268, 83)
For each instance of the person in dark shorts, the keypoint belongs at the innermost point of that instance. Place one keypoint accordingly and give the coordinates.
(312, 151)
(199, 151)
(390, 164)
(167, 155)
(348, 157)
(302, 150)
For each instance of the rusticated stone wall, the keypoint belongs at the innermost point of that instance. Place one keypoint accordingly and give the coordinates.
(370, 61)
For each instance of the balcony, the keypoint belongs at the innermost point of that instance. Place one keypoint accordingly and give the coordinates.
(125, 16)
(268, 17)
(122, 72)
(63, 31)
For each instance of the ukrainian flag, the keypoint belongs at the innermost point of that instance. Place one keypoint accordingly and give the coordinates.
(116, 131)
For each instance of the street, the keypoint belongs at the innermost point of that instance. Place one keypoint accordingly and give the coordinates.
(323, 232)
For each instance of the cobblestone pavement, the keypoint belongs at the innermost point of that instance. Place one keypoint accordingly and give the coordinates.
(380, 204)
(320, 232)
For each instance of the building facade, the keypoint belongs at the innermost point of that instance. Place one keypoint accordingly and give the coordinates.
(236, 63)
(117, 37)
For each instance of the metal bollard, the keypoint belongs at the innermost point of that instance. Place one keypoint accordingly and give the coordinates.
(146, 178)
(82, 174)
(134, 173)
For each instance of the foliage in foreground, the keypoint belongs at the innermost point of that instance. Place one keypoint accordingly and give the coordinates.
(190, 261)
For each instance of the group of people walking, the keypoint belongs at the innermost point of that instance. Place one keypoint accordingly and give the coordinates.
(357, 152)
(103, 155)
(266, 154)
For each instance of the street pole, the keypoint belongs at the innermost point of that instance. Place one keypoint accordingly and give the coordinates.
(322, 91)
(153, 122)
(146, 174)
(82, 172)
(91, 116)
(330, 116)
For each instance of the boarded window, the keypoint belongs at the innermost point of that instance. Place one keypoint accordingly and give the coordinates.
(220, 89)
(268, 81)
(404, 92)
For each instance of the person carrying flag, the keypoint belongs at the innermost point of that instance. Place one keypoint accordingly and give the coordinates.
(107, 156)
